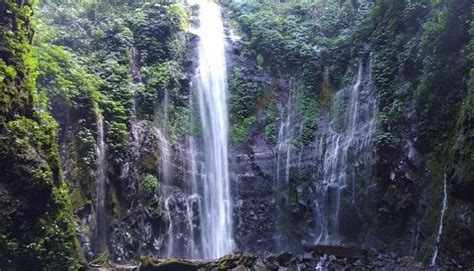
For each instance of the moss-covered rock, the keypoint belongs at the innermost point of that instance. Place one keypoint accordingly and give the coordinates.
(36, 230)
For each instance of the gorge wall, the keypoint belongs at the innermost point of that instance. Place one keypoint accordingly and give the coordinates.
(350, 122)
(36, 226)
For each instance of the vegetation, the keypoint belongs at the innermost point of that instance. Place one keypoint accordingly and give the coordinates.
(243, 100)
(420, 58)
(81, 62)
(147, 185)
(36, 228)
(125, 61)
(297, 40)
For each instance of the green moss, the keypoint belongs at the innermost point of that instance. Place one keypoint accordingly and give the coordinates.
(102, 259)
(239, 131)
(36, 229)
(178, 11)
(306, 107)
(147, 185)
(271, 130)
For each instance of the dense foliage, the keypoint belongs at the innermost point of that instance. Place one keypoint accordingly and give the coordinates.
(126, 61)
(298, 41)
(36, 228)
(420, 57)
(120, 60)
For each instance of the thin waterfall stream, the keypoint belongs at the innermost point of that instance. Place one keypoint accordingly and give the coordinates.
(101, 179)
(193, 200)
(283, 157)
(444, 206)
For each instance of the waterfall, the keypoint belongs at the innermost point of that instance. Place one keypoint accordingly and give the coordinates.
(444, 205)
(193, 197)
(134, 133)
(348, 154)
(101, 227)
(170, 246)
(164, 144)
(216, 220)
(283, 158)
(191, 201)
(165, 152)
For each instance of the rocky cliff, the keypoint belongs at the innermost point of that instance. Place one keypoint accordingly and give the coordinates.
(350, 124)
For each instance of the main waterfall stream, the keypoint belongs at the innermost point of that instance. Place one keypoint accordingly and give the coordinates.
(216, 220)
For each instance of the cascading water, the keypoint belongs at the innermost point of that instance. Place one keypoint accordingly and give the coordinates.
(164, 144)
(282, 175)
(193, 200)
(170, 245)
(348, 154)
(216, 220)
(101, 227)
(134, 133)
(444, 205)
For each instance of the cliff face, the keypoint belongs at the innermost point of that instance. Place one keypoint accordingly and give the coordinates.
(36, 228)
(383, 185)
(346, 120)
(118, 86)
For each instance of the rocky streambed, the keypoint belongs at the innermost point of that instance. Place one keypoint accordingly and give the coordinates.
(317, 257)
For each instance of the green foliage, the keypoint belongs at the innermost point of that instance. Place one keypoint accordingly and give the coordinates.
(147, 185)
(156, 27)
(239, 130)
(299, 40)
(101, 259)
(306, 107)
(420, 64)
(158, 78)
(271, 130)
(244, 96)
(17, 83)
(40, 135)
(293, 36)
(117, 136)
(179, 123)
(36, 229)
(177, 13)
(69, 89)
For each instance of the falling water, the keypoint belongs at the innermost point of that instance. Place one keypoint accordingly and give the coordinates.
(216, 220)
(164, 144)
(193, 196)
(444, 205)
(134, 132)
(170, 246)
(101, 228)
(348, 153)
(190, 202)
(283, 159)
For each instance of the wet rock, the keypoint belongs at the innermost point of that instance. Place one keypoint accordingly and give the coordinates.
(337, 251)
(284, 258)
(259, 266)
